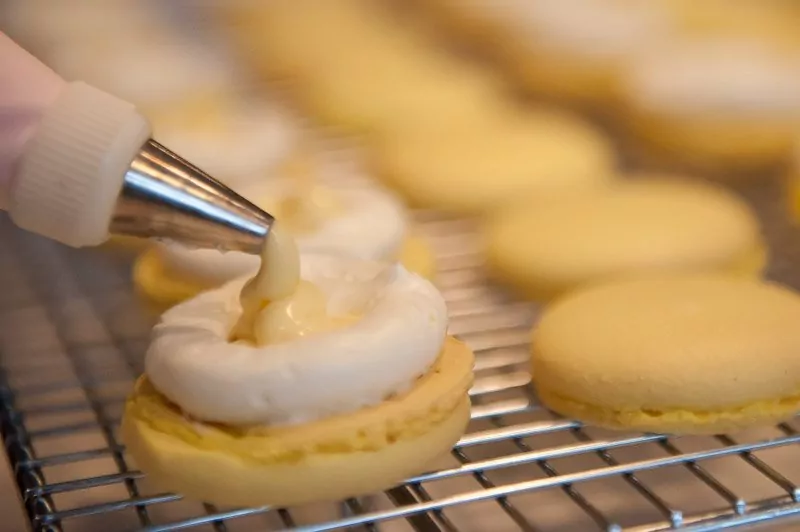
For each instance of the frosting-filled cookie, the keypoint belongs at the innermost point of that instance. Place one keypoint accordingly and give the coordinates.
(261, 392)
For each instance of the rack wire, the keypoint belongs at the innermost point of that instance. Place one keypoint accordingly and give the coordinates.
(72, 338)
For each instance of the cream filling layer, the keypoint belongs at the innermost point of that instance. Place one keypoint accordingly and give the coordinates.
(276, 305)
(347, 364)
(269, 295)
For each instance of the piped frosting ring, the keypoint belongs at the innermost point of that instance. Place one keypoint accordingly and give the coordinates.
(399, 333)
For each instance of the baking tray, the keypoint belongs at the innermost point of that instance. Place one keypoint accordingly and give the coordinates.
(72, 339)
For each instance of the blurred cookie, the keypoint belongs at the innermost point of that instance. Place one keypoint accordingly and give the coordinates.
(635, 228)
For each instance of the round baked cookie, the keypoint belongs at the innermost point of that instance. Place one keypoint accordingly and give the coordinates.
(288, 40)
(686, 354)
(480, 166)
(357, 70)
(578, 51)
(390, 87)
(728, 106)
(204, 469)
(370, 399)
(570, 51)
(636, 227)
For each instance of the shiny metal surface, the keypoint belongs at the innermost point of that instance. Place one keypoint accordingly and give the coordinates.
(166, 197)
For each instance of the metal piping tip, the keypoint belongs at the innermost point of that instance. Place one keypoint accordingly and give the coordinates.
(165, 196)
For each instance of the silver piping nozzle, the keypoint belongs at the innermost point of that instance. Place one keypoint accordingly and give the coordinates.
(165, 196)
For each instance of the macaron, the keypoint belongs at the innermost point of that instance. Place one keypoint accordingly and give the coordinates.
(572, 52)
(390, 85)
(576, 52)
(353, 68)
(729, 107)
(494, 158)
(365, 452)
(636, 227)
(290, 40)
(374, 396)
(682, 354)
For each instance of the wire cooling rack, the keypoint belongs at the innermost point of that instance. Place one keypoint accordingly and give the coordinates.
(72, 338)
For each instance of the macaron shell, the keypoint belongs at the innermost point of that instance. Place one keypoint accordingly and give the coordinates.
(696, 343)
(476, 169)
(290, 40)
(223, 479)
(364, 451)
(675, 420)
(728, 148)
(398, 83)
(636, 227)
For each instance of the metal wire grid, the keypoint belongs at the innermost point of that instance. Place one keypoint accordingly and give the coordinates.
(72, 336)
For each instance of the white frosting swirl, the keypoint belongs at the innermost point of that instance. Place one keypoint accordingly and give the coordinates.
(716, 75)
(371, 226)
(398, 336)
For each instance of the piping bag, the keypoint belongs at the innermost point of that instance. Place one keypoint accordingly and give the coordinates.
(78, 165)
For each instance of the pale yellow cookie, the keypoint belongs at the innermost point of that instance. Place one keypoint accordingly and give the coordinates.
(399, 87)
(543, 250)
(576, 52)
(291, 39)
(692, 354)
(728, 106)
(481, 165)
(365, 451)
(572, 51)
(355, 68)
